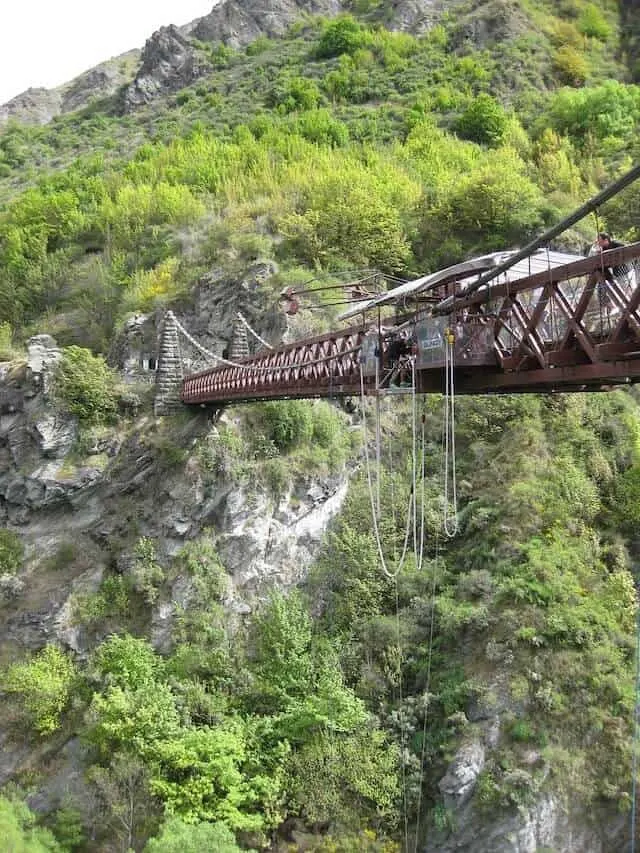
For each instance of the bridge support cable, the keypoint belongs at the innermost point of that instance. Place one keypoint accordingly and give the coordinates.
(253, 332)
(450, 511)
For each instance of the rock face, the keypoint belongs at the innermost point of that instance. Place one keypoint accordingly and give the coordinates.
(169, 63)
(544, 826)
(415, 16)
(39, 106)
(490, 23)
(35, 106)
(238, 22)
(460, 780)
(103, 81)
(219, 298)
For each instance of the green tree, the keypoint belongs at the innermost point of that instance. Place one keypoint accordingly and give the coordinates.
(343, 34)
(592, 23)
(126, 662)
(19, 833)
(484, 121)
(85, 386)
(345, 781)
(199, 775)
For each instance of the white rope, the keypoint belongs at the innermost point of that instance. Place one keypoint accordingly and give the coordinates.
(253, 332)
(372, 499)
(374, 491)
(419, 556)
(194, 343)
(450, 512)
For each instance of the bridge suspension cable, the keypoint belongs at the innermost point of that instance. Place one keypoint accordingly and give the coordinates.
(253, 332)
(256, 368)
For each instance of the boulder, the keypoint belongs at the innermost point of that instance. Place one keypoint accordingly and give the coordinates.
(169, 63)
(462, 774)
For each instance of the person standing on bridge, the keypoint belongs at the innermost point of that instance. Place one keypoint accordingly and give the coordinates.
(612, 276)
(604, 243)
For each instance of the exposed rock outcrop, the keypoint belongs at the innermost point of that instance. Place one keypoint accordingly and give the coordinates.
(546, 825)
(219, 297)
(415, 16)
(459, 782)
(238, 22)
(103, 81)
(491, 22)
(35, 106)
(39, 105)
(169, 63)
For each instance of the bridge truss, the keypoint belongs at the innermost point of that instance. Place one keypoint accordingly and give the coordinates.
(570, 327)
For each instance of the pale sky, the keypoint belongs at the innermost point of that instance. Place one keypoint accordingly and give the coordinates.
(48, 42)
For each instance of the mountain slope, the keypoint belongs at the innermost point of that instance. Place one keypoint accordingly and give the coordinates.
(155, 659)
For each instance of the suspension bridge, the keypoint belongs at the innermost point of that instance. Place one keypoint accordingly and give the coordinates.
(552, 322)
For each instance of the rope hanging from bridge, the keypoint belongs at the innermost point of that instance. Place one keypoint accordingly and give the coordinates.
(450, 511)
(374, 488)
(635, 744)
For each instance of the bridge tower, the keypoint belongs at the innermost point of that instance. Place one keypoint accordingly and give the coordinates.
(239, 347)
(169, 370)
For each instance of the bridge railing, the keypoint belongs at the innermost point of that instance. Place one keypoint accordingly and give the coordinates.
(322, 366)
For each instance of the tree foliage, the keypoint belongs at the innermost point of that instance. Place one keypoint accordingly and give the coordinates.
(43, 687)
(19, 832)
(85, 386)
(180, 837)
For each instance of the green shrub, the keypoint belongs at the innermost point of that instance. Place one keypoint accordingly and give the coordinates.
(126, 662)
(341, 35)
(592, 23)
(288, 423)
(85, 385)
(65, 554)
(320, 127)
(571, 66)
(112, 600)
(19, 832)
(180, 837)
(609, 110)
(43, 686)
(295, 93)
(147, 574)
(11, 552)
(6, 342)
(201, 560)
(484, 121)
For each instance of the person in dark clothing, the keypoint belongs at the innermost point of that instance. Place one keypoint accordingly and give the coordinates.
(612, 275)
(398, 350)
(605, 242)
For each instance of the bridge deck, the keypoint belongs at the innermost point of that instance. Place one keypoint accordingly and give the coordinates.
(573, 327)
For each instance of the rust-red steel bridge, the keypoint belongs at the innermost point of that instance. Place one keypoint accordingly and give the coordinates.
(574, 327)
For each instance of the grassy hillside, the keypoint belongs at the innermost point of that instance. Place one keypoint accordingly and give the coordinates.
(332, 714)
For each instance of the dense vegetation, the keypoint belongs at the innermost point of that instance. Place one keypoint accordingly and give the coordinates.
(335, 710)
